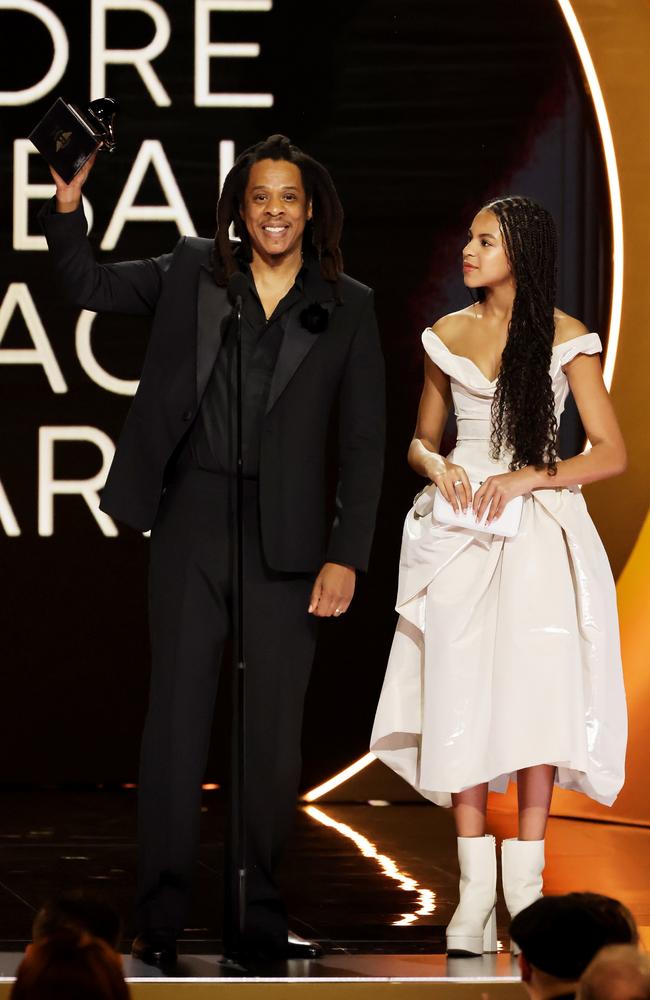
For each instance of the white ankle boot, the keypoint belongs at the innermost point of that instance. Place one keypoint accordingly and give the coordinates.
(473, 930)
(522, 864)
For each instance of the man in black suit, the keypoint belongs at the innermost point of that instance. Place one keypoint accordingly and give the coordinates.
(310, 353)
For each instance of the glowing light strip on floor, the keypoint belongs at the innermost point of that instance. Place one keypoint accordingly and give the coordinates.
(614, 187)
(388, 866)
(339, 778)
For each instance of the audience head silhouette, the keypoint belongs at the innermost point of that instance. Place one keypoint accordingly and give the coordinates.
(618, 972)
(560, 935)
(70, 965)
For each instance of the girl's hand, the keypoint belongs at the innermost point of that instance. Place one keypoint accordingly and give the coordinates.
(453, 482)
(496, 491)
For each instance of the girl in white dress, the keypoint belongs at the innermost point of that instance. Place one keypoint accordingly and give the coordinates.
(506, 659)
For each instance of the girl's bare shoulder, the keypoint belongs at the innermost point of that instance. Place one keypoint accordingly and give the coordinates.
(452, 326)
(567, 328)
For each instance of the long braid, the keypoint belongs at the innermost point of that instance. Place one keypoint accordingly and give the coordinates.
(323, 232)
(224, 263)
(327, 225)
(523, 409)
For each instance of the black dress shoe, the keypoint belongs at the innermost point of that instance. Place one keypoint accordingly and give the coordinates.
(156, 948)
(296, 947)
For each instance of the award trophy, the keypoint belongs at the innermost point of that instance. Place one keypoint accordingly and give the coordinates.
(67, 137)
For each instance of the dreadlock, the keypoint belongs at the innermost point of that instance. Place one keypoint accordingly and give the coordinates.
(322, 232)
(523, 409)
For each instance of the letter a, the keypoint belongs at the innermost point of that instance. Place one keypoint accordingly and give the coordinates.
(18, 296)
(152, 154)
(49, 486)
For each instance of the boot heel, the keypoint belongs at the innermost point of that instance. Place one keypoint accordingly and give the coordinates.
(490, 932)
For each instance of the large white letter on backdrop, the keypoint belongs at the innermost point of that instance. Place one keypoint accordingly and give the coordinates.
(49, 487)
(7, 516)
(152, 154)
(100, 56)
(24, 192)
(89, 363)
(18, 297)
(205, 50)
(59, 58)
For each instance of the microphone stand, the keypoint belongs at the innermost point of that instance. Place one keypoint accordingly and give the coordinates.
(237, 286)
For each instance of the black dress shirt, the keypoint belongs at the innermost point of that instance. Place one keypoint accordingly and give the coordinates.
(213, 438)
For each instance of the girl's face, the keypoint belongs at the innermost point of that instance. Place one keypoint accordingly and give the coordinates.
(485, 264)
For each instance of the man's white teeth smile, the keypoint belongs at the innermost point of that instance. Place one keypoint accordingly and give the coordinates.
(274, 229)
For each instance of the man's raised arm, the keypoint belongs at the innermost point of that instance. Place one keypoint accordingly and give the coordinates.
(132, 286)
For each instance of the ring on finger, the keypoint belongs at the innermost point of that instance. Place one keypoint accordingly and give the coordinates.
(458, 482)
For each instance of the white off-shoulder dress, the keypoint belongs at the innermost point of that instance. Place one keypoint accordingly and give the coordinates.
(506, 652)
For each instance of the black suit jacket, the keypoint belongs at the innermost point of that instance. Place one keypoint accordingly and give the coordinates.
(340, 367)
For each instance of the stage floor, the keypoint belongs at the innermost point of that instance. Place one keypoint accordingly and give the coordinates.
(375, 884)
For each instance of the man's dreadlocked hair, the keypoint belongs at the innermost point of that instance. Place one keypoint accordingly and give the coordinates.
(322, 232)
(523, 409)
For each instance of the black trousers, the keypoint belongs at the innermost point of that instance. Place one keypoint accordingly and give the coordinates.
(191, 591)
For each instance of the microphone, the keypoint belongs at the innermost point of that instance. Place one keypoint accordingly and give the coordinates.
(237, 288)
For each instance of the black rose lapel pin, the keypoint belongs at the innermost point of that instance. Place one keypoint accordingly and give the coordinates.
(314, 318)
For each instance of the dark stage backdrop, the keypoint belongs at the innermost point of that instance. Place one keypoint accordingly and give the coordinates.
(421, 111)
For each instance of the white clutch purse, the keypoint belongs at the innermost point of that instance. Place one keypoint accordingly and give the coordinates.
(431, 501)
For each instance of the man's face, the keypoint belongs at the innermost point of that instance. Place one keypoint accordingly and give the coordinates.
(275, 209)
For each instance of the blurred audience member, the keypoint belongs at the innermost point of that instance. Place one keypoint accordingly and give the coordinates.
(70, 965)
(79, 911)
(619, 972)
(560, 935)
